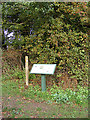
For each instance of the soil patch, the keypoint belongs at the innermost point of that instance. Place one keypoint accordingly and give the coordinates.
(28, 106)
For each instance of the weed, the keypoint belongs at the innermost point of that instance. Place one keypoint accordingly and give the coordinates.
(14, 73)
(39, 109)
(4, 109)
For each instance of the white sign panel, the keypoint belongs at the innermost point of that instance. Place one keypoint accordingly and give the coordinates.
(43, 69)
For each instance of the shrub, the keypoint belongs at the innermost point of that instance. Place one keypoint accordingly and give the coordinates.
(15, 73)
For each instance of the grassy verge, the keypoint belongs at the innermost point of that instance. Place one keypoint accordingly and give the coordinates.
(22, 102)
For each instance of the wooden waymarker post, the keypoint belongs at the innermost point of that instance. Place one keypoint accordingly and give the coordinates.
(43, 69)
(26, 69)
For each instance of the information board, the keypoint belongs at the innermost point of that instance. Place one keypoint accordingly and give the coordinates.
(43, 68)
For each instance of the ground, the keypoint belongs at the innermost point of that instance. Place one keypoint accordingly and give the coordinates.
(19, 107)
(16, 105)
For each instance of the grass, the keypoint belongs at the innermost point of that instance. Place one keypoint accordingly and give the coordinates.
(31, 102)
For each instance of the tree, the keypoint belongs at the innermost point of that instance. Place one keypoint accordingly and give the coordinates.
(59, 33)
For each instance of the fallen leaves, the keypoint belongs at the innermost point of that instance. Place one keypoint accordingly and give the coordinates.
(9, 97)
(24, 98)
(33, 117)
(59, 115)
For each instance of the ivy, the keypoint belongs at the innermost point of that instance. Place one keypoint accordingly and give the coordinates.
(59, 34)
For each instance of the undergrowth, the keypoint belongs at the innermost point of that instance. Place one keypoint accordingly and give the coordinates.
(13, 81)
(54, 94)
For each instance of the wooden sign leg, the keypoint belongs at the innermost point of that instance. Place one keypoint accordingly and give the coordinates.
(26, 69)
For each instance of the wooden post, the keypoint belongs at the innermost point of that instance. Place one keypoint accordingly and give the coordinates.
(26, 68)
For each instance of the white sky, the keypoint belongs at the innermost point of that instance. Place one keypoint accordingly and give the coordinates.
(10, 35)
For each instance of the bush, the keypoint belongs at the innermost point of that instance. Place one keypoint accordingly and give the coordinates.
(15, 73)
(32, 76)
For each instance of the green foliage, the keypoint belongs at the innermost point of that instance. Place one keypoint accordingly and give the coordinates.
(68, 96)
(13, 111)
(59, 34)
(14, 73)
(32, 76)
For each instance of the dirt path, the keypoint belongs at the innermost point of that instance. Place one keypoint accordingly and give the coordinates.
(28, 107)
(20, 107)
